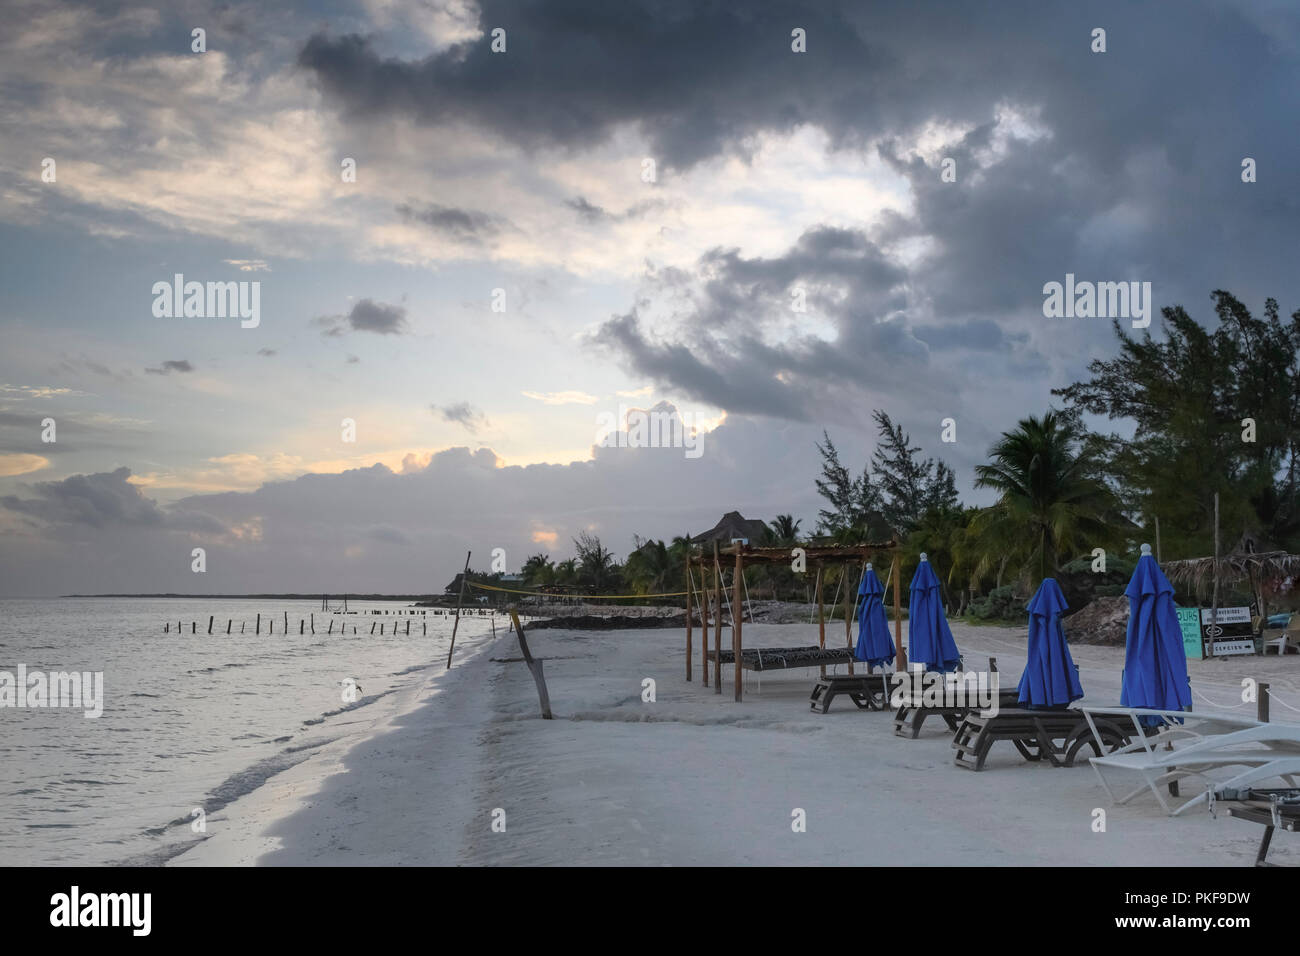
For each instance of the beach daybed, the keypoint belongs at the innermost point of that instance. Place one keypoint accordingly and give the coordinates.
(1035, 734)
(784, 658)
(1213, 741)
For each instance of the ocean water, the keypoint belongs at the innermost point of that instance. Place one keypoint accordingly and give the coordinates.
(189, 720)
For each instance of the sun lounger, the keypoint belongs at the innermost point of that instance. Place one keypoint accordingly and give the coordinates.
(1035, 734)
(1208, 742)
(867, 691)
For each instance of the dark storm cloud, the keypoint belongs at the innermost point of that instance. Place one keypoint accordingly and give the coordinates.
(96, 500)
(700, 77)
(463, 225)
(366, 316)
(743, 347)
(1116, 165)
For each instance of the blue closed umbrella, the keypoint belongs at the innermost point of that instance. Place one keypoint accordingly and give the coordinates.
(875, 646)
(929, 639)
(1050, 678)
(1155, 664)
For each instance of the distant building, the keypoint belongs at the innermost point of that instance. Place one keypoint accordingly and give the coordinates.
(732, 526)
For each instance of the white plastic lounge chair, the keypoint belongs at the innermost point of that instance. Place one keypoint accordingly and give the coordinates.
(1266, 750)
(1288, 640)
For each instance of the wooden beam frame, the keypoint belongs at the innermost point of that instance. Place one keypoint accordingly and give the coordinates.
(845, 556)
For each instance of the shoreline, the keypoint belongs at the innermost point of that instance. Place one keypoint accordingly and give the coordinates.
(695, 779)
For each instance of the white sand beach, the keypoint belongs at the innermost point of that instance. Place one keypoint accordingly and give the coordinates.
(697, 779)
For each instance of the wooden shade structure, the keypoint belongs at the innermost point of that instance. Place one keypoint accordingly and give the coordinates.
(843, 555)
(1255, 567)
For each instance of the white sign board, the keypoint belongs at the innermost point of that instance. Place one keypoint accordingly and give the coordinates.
(1227, 615)
(1228, 648)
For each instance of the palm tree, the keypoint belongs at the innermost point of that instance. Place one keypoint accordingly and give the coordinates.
(648, 566)
(785, 529)
(1051, 497)
(596, 564)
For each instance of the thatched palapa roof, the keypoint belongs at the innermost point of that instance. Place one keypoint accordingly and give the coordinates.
(1254, 566)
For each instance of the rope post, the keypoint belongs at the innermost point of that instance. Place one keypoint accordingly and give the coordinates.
(1261, 703)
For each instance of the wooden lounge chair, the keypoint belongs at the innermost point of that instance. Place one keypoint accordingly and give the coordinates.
(910, 716)
(867, 691)
(1035, 734)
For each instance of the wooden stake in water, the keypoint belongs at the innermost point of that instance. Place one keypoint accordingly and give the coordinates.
(459, 600)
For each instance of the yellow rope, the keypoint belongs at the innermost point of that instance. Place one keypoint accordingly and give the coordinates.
(585, 597)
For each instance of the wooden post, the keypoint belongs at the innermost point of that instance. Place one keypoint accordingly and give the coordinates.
(737, 614)
(689, 649)
(286, 622)
(704, 624)
(1261, 703)
(848, 622)
(459, 599)
(259, 625)
(210, 616)
(313, 623)
(194, 627)
(331, 625)
(900, 660)
(821, 615)
(300, 625)
(408, 627)
(228, 623)
(534, 667)
(717, 627)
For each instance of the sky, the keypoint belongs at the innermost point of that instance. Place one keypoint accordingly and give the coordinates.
(469, 261)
